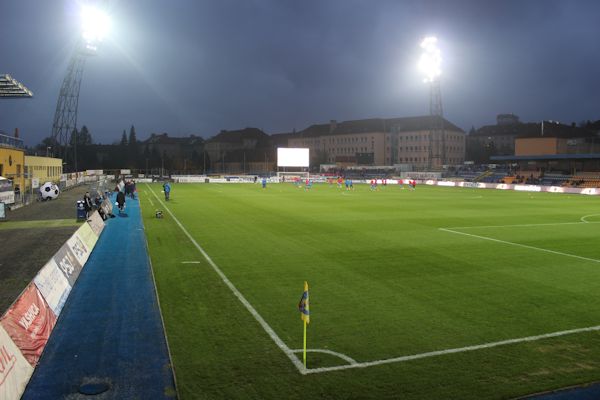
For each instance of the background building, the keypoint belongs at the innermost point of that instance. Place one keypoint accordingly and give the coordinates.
(12, 159)
(45, 169)
(380, 141)
(245, 150)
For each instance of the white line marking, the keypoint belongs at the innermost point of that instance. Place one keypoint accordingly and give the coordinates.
(333, 353)
(584, 218)
(353, 364)
(190, 262)
(150, 200)
(521, 225)
(451, 351)
(286, 350)
(521, 245)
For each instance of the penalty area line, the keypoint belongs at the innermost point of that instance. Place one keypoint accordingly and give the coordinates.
(267, 328)
(560, 253)
(523, 225)
(455, 350)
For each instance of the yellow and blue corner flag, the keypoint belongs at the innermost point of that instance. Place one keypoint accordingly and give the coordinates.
(303, 306)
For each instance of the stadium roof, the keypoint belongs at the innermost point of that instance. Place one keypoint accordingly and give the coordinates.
(404, 124)
(238, 135)
(534, 129)
(11, 88)
(547, 157)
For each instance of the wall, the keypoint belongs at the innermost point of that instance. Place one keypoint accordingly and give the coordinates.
(13, 165)
(536, 146)
(44, 168)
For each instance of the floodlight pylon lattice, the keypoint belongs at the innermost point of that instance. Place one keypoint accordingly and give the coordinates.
(430, 65)
(65, 116)
(437, 134)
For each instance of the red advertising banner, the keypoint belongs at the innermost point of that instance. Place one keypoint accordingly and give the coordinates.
(15, 371)
(29, 323)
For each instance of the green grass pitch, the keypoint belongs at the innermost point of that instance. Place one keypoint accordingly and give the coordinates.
(385, 282)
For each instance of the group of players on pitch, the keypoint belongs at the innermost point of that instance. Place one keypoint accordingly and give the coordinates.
(347, 182)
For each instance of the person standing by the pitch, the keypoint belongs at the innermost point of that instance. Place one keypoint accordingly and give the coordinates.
(167, 190)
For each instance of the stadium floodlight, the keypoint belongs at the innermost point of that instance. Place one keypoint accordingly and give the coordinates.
(430, 65)
(95, 24)
(430, 62)
(11, 88)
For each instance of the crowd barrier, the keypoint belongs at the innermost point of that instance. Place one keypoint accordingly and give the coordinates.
(517, 187)
(26, 326)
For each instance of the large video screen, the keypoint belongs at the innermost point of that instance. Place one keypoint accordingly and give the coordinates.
(293, 157)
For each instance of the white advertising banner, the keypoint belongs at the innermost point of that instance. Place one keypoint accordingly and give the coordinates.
(7, 197)
(53, 285)
(80, 249)
(446, 183)
(15, 371)
(96, 223)
(528, 188)
(87, 236)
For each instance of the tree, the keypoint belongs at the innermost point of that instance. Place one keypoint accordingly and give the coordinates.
(81, 137)
(85, 137)
(132, 137)
(124, 139)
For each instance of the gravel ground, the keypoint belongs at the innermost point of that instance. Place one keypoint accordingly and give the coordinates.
(23, 252)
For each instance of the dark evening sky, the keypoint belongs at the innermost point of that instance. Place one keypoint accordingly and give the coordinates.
(196, 67)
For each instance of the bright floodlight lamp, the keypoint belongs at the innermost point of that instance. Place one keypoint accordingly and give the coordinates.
(431, 60)
(95, 24)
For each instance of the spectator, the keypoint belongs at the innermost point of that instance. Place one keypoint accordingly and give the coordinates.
(121, 201)
(87, 204)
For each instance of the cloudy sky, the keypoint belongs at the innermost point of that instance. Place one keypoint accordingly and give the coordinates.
(196, 67)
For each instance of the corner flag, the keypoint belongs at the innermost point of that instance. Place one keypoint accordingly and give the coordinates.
(304, 309)
(303, 306)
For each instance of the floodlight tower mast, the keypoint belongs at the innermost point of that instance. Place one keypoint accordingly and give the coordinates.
(430, 65)
(95, 25)
(65, 116)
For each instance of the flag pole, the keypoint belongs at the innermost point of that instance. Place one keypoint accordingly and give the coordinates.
(304, 354)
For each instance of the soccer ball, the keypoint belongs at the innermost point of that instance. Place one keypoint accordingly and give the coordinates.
(49, 191)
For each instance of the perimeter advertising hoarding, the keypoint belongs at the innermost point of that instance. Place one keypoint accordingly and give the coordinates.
(15, 371)
(7, 197)
(292, 157)
(96, 223)
(82, 242)
(29, 323)
(67, 264)
(53, 285)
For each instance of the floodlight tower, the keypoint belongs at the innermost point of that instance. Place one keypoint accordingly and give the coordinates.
(430, 66)
(95, 25)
